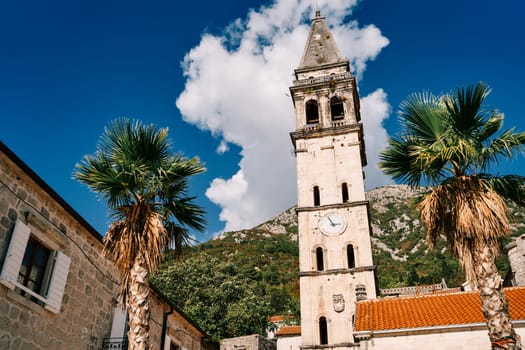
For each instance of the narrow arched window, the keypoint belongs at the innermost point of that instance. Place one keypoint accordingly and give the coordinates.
(336, 108)
(323, 330)
(317, 197)
(320, 258)
(350, 256)
(344, 192)
(312, 112)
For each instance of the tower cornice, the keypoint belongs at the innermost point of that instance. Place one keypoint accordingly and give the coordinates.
(332, 206)
(322, 81)
(337, 271)
(316, 130)
(329, 66)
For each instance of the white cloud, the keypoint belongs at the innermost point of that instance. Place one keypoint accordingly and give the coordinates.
(237, 86)
(228, 191)
(223, 147)
(375, 109)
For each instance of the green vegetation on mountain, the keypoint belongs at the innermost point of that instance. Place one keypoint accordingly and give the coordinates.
(230, 285)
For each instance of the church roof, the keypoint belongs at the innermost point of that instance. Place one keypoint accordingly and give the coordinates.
(276, 319)
(430, 310)
(321, 48)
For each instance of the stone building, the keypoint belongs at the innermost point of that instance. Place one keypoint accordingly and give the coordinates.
(57, 290)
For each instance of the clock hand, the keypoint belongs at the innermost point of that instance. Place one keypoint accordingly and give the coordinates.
(331, 222)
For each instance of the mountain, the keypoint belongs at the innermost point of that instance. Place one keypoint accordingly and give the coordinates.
(231, 285)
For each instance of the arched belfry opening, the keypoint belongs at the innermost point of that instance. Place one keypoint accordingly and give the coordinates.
(312, 112)
(323, 331)
(336, 108)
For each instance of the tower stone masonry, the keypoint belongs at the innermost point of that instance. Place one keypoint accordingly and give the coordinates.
(335, 255)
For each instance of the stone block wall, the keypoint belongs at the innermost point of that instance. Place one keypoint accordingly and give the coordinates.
(249, 342)
(516, 254)
(87, 307)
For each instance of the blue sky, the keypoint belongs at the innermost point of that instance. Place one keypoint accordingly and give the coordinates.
(217, 74)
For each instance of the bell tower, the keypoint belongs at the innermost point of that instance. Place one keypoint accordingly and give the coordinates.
(335, 255)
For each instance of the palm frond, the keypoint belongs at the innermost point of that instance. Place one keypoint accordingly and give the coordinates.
(492, 125)
(468, 213)
(410, 161)
(505, 145)
(419, 113)
(451, 134)
(465, 108)
(187, 213)
(510, 187)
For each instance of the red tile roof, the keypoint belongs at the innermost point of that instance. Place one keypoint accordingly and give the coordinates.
(276, 319)
(289, 330)
(430, 310)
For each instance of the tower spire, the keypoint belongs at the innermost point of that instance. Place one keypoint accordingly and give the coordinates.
(321, 48)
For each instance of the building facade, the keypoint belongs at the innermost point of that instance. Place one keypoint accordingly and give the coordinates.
(335, 254)
(57, 290)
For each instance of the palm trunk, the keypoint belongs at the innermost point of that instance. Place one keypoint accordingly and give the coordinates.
(178, 246)
(138, 306)
(493, 303)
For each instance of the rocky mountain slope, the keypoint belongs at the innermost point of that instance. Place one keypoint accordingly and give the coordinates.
(399, 248)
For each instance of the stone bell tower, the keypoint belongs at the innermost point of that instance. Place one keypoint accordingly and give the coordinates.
(335, 255)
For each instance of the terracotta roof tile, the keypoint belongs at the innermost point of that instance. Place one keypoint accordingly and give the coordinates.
(276, 319)
(430, 310)
(289, 330)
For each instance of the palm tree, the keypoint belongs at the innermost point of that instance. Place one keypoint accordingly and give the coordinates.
(450, 142)
(145, 186)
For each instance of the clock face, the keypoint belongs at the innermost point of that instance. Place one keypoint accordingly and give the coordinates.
(332, 224)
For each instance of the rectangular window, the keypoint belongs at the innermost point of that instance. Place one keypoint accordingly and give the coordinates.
(34, 270)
